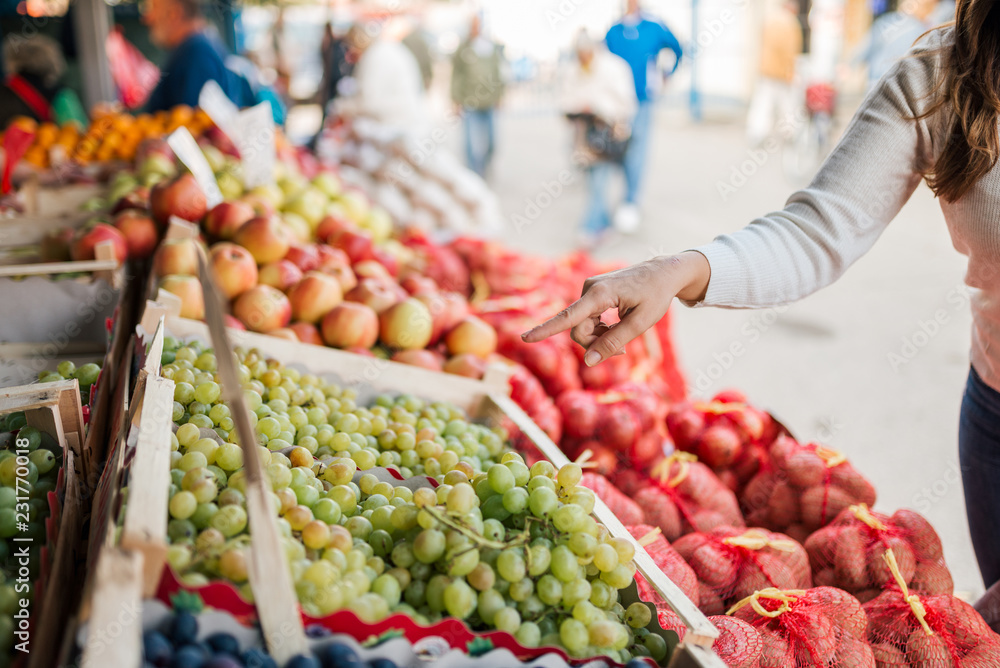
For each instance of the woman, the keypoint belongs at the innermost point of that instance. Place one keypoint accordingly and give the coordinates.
(599, 95)
(934, 117)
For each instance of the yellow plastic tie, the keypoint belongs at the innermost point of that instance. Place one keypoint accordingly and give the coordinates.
(830, 457)
(916, 605)
(718, 407)
(863, 514)
(583, 461)
(480, 288)
(650, 537)
(757, 539)
(614, 397)
(786, 596)
(662, 470)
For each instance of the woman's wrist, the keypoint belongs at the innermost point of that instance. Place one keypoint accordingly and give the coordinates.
(695, 274)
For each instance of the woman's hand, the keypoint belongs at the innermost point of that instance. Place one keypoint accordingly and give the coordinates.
(641, 293)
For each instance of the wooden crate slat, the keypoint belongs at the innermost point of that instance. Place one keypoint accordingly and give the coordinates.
(144, 529)
(117, 607)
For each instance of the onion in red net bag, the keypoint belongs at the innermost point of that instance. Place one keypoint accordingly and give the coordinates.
(909, 630)
(667, 559)
(802, 488)
(683, 495)
(822, 627)
(848, 553)
(732, 563)
(624, 508)
(739, 644)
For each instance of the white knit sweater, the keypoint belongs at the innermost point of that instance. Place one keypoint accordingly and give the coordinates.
(870, 175)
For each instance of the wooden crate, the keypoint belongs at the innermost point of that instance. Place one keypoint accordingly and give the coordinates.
(481, 400)
(54, 408)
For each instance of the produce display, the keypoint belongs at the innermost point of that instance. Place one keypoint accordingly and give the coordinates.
(496, 543)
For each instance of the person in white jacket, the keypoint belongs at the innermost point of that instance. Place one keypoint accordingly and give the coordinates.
(600, 92)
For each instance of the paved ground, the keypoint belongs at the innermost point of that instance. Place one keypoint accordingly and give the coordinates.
(823, 364)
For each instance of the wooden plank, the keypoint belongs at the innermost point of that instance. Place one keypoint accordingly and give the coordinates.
(694, 656)
(63, 395)
(163, 306)
(114, 636)
(42, 268)
(178, 228)
(48, 420)
(270, 579)
(700, 631)
(105, 252)
(59, 599)
(30, 230)
(145, 527)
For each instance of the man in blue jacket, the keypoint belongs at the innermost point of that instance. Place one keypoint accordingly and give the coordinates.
(197, 55)
(638, 39)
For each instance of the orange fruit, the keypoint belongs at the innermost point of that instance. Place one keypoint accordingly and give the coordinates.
(46, 134)
(37, 156)
(25, 123)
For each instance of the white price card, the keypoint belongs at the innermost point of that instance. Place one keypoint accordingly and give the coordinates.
(256, 144)
(220, 109)
(187, 150)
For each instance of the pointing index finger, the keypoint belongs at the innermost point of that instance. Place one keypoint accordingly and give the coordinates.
(583, 308)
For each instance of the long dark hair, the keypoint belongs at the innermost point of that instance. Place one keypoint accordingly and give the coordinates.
(969, 91)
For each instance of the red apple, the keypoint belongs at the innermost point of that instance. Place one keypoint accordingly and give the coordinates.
(188, 288)
(406, 325)
(357, 244)
(472, 335)
(304, 256)
(281, 274)
(89, 237)
(233, 268)
(226, 218)
(333, 225)
(331, 257)
(176, 256)
(260, 205)
(719, 446)
(263, 309)
(141, 235)
(374, 293)
(350, 325)
(447, 308)
(415, 284)
(344, 275)
(386, 259)
(314, 296)
(179, 197)
(137, 199)
(466, 364)
(307, 333)
(285, 333)
(364, 352)
(233, 323)
(267, 238)
(372, 269)
(422, 358)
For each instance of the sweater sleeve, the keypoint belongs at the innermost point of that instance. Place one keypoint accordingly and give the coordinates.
(825, 228)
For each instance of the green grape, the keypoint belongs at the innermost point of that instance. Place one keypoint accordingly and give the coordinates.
(638, 615)
(66, 369)
(459, 599)
(582, 545)
(178, 530)
(540, 558)
(564, 564)
(528, 634)
(87, 374)
(230, 520)
(500, 478)
(520, 591)
(8, 497)
(8, 523)
(602, 594)
(203, 514)
(543, 502)
(183, 505)
(507, 619)
(490, 601)
(656, 646)
(183, 392)
(429, 546)
(44, 460)
(28, 438)
(605, 557)
(568, 518)
(515, 500)
(619, 577)
(575, 591)
(574, 635)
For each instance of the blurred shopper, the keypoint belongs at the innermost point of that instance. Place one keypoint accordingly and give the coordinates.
(774, 95)
(639, 39)
(31, 85)
(416, 41)
(197, 55)
(933, 117)
(601, 103)
(895, 32)
(338, 63)
(387, 84)
(477, 87)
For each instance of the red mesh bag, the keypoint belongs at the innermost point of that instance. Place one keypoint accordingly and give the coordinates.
(731, 564)
(848, 553)
(914, 631)
(624, 508)
(683, 495)
(801, 488)
(739, 644)
(821, 627)
(667, 559)
(728, 435)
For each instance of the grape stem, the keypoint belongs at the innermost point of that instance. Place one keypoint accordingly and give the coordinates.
(520, 540)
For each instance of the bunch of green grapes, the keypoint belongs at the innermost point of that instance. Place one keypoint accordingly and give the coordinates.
(38, 472)
(86, 375)
(292, 410)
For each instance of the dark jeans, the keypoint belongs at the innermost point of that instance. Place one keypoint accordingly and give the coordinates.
(979, 454)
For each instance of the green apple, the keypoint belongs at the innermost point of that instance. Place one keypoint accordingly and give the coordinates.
(292, 185)
(298, 225)
(335, 208)
(121, 187)
(379, 223)
(270, 193)
(310, 204)
(216, 159)
(357, 205)
(157, 163)
(329, 184)
(230, 186)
